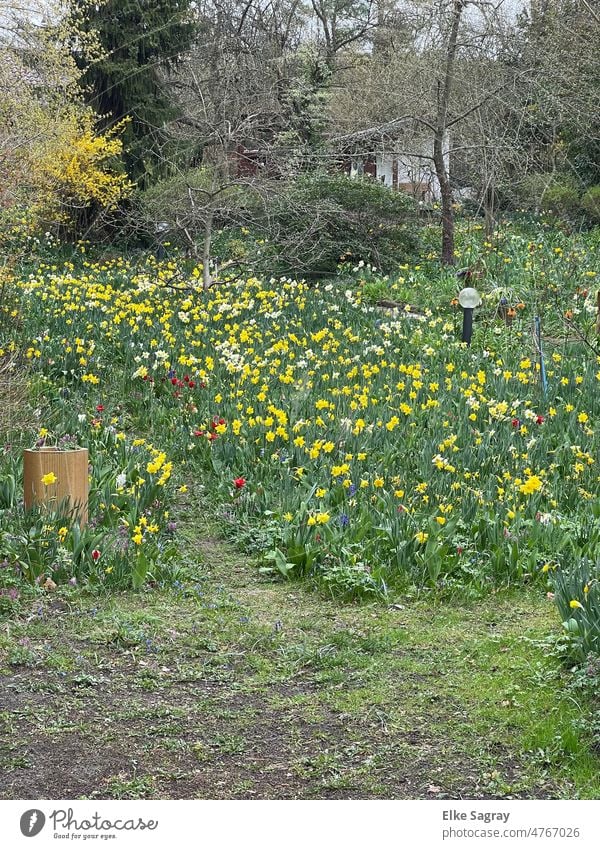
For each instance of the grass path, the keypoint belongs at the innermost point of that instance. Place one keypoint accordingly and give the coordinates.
(238, 688)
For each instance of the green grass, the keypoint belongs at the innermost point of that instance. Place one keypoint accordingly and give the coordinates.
(235, 687)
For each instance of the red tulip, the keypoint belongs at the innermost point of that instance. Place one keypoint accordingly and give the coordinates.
(239, 483)
(95, 554)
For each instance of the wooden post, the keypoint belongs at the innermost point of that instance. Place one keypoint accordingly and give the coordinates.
(68, 488)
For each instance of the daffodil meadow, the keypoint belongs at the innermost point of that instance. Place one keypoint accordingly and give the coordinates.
(361, 448)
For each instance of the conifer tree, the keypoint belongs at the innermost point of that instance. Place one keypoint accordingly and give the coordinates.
(142, 42)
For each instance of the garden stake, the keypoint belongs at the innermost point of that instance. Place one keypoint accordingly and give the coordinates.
(538, 337)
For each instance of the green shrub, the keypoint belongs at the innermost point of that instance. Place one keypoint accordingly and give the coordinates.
(561, 197)
(524, 194)
(303, 227)
(318, 220)
(590, 203)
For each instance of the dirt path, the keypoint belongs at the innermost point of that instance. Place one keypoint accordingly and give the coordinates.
(234, 687)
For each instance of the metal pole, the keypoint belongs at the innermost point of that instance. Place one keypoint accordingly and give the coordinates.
(467, 328)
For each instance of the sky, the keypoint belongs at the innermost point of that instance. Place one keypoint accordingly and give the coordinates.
(513, 7)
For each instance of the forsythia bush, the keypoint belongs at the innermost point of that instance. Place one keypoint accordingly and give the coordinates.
(75, 168)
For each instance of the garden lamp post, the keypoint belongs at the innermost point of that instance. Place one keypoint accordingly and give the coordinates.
(468, 298)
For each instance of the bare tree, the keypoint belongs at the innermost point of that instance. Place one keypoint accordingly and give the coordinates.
(440, 71)
(344, 23)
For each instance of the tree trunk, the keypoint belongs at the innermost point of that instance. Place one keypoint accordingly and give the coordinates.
(446, 201)
(443, 100)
